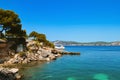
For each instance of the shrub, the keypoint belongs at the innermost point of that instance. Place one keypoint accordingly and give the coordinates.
(22, 54)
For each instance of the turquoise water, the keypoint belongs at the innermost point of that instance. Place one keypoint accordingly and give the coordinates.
(94, 63)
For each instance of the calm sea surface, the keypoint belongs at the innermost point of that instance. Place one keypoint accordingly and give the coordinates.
(94, 63)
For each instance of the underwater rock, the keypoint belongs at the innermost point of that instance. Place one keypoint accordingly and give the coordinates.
(101, 76)
(71, 78)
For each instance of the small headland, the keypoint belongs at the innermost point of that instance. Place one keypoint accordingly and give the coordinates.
(55, 51)
(34, 53)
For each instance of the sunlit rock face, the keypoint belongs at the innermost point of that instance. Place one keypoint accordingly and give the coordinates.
(9, 74)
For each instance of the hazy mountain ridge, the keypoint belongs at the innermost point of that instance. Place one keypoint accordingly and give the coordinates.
(98, 43)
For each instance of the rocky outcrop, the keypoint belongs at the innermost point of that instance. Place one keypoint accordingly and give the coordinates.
(55, 51)
(9, 74)
(26, 57)
(34, 53)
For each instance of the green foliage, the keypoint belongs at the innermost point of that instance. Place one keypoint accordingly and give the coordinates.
(11, 24)
(37, 36)
(33, 34)
(41, 38)
(49, 44)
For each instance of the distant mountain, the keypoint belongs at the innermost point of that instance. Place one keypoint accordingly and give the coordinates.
(99, 43)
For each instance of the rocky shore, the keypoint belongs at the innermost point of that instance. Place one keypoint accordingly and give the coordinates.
(9, 74)
(34, 53)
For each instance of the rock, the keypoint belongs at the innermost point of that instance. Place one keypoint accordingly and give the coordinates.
(13, 70)
(25, 61)
(48, 59)
(11, 61)
(18, 76)
(59, 55)
(9, 74)
(54, 51)
(5, 76)
(39, 52)
(16, 56)
(40, 57)
(52, 57)
(33, 46)
(45, 53)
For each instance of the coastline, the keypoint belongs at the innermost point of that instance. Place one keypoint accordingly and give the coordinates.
(36, 54)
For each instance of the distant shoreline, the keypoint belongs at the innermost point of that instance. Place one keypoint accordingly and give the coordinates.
(92, 46)
(99, 43)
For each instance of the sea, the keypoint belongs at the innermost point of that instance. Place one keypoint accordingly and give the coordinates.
(94, 63)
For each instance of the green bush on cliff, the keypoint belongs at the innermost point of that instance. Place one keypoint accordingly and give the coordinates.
(49, 44)
(41, 38)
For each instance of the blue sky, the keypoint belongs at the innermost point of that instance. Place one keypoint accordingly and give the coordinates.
(70, 20)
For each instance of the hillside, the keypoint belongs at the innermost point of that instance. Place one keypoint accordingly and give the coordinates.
(99, 43)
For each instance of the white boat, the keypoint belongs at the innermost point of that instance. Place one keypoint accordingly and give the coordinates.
(59, 46)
